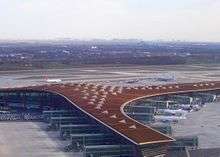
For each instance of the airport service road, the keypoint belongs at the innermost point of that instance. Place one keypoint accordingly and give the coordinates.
(28, 139)
(204, 123)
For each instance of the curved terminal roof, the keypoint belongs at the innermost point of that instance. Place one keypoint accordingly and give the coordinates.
(106, 103)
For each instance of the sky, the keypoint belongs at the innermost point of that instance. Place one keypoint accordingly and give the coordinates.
(188, 20)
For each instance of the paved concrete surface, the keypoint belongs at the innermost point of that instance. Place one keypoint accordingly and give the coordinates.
(139, 75)
(204, 123)
(29, 139)
(211, 152)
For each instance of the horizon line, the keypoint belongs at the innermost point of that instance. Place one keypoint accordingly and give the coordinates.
(103, 40)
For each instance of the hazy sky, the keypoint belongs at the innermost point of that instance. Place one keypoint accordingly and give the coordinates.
(195, 20)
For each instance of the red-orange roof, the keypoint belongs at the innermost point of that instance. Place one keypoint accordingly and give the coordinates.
(105, 104)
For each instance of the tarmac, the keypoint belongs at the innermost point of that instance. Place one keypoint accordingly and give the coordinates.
(117, 75)
(29, 139)
(204, 123)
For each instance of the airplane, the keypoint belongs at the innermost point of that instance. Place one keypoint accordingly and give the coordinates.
(53, 80)
(4, 112)
(188, 108)
(169, 119)
(178, 112)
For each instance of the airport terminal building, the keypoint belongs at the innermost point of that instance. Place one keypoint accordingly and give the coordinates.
(93, 116)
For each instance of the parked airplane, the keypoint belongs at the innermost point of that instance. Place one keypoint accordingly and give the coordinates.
(178, 112)
(174, 119)
(188, 108)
